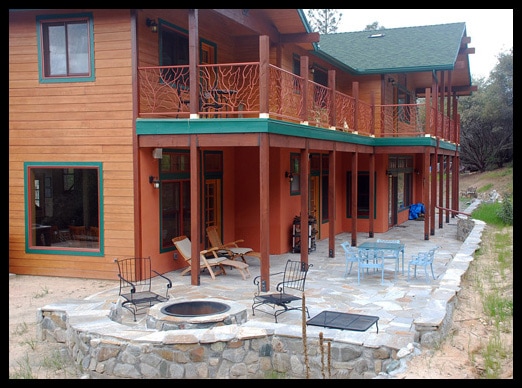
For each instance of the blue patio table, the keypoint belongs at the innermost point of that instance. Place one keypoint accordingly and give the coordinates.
(385, 246)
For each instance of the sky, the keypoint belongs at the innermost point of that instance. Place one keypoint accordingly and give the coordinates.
(490, 30)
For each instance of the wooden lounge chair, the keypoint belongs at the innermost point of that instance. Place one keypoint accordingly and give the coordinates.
(135, 284)
(184, 247)
(289, 290)
(231, 250)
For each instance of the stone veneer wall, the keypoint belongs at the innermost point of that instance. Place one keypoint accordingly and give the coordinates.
(105, 349)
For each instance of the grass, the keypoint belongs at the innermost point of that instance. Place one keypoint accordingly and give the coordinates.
(490, 214)
(23, 370)
(21, 329)
(493, 282)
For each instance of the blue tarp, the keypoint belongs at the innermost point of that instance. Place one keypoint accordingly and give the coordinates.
(416, 210)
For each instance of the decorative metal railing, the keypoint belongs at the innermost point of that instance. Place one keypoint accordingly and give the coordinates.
(234, 90)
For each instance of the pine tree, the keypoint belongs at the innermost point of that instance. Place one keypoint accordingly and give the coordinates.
(324, 21)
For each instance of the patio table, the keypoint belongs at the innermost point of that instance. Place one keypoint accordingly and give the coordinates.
(385, 246)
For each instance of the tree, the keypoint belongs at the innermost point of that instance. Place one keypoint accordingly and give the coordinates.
(487, 119)
(374, 27)
(324, 21)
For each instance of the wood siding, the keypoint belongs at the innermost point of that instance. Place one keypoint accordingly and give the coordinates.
(73, 122)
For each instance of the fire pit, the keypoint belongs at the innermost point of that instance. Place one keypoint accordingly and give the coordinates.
(195, 314)
(196, 308)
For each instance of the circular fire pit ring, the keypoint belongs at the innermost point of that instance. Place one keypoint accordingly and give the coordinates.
(195, 314)
(195, 308)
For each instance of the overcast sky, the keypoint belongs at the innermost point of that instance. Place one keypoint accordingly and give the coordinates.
(490, 30)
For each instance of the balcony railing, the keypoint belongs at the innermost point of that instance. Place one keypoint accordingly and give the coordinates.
(234, 90)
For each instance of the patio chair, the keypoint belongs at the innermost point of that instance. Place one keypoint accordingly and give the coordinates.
(423, 259)
(135, 276)
(231, 250)
(184, 247)
(350, 256)
(294, 278)
(392, 253)
(370, 259)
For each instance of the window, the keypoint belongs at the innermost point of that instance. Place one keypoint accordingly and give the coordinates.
(363, 194)
(65, 51)
(324, 188)
(174, 48)
(175, 196)
(295, 184)
(64, 208)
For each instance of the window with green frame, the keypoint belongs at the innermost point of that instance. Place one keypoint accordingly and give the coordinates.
(64, 208)
(175, 195)
(66, 47)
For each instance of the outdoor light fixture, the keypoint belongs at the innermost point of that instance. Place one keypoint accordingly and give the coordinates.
(152, 24)
(289, 175)
(154, 181)
(392, 81)
(389, 173)
(416, 171)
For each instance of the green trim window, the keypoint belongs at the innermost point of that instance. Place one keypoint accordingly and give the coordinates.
(175, 196)
(66, 48)
(64, 208)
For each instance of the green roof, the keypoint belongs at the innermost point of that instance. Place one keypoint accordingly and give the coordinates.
(395, 50)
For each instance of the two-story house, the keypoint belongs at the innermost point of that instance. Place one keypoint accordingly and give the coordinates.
(128, 127)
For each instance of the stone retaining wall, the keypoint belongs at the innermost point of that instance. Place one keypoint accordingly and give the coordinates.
(104, 349)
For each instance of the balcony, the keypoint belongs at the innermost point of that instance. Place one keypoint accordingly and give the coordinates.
(248, 90)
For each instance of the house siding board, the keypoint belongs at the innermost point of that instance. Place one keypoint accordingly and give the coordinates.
(93, 121)
(74, 122)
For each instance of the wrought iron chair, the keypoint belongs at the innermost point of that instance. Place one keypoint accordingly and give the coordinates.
(294, 278)
(370, 259)
(136, 282)
(351, 256)
(423, 259)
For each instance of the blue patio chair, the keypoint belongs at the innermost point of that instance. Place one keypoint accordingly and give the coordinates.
(370, 259)
(422, 259)
(392, 254)
(350, 254)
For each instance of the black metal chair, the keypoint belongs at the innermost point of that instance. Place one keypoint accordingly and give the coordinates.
(294, 278)
(135, 284)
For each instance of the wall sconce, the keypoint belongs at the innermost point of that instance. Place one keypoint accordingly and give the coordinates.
(157, 153)
(389, 173)
(416, 171)
(392, 81)
(290, 176)
(312, 69)
(152, 24)
(154, 181)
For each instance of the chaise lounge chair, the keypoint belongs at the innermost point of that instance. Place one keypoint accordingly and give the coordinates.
(184, 247)
(230, 250)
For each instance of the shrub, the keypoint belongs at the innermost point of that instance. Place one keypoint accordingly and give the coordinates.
(505, 213)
